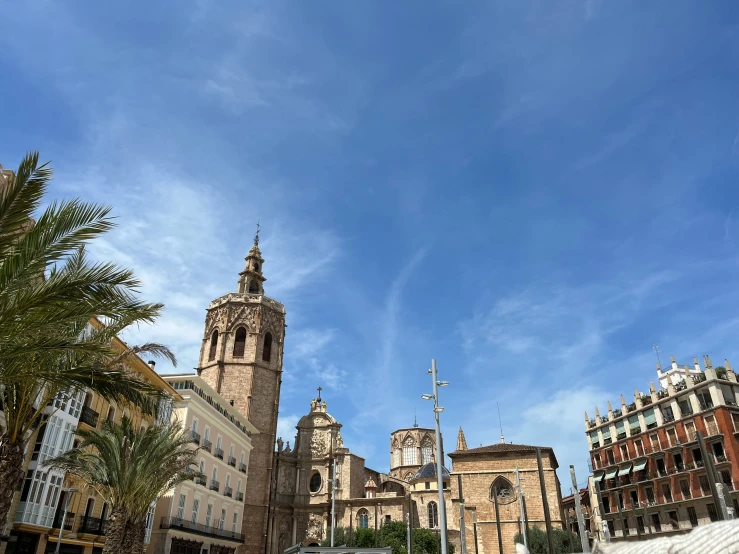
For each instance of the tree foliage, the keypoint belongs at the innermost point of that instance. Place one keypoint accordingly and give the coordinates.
(564, 541)
(392, 534)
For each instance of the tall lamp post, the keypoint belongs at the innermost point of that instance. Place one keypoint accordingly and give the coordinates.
(439, 461)
(69, 492)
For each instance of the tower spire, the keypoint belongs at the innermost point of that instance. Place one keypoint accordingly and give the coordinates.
(415, 418)
(251, 279)
(461, 441)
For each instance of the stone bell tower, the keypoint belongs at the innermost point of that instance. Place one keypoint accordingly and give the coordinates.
(241, 358)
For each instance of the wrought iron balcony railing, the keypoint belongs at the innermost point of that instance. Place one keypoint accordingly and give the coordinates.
(200, 529)
(89, 416)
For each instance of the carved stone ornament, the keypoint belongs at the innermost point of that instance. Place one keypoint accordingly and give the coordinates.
(314, 527)
(339, 440)
(317, 445)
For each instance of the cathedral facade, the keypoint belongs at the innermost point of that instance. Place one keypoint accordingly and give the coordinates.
(289, 490)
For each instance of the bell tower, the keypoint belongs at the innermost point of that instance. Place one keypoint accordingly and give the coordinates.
(241, 358)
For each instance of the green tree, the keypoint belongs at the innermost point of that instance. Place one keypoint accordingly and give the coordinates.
(392, 534)
(129, 469)
(49, 293)
(564, 541)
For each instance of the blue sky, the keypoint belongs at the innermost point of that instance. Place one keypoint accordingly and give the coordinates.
(531, 193)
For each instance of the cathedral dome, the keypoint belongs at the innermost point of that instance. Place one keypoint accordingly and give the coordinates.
(428, 471)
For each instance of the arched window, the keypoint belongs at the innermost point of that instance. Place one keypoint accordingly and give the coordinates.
(315, 482)
(239, 342)
(426, 451)
(267, 350)
(503, 489)
(213, 345)
(433, 515)
(253, 287)
(363, 517)
(396, 457)
(409, 452)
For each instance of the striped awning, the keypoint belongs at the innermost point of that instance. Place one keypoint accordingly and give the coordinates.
(598, 475)
(611, 473)
(624, 469)
(641, 464)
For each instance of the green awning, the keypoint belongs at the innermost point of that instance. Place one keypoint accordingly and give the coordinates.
(611, 473)
(598, 475)
(624, 470)
(641, 464)
(649, 417)
(606, 433)
(620, 427)
(594, 437)
(634, 421)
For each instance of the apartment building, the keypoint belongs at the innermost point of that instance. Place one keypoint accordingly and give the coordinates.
(206, 514)
(36, 515)
(646, 459)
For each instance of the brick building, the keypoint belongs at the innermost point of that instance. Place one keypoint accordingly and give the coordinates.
(646, 458)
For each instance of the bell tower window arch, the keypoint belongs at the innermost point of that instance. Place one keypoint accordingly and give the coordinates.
(213, 345)
(239, 342)
(267, 349)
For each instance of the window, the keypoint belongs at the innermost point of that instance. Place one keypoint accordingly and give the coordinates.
(181, 506)
(711, 428)
(213, 345)
(735, 419)
(502, 488)
(692, 516)
(426, 451)
(239, 342)
(194, 425)
(111, 414)
(253, 287)
(396, 457)
(206, 435)
(624, 452)
(606, 503)
(195, 507)
(672, 518)
(661, 466)
(596, 460)
(718, 452)
(428, 485)
(667, 492)
(672, 436)
(208, 515)
(238, 488)
(202, 466)
(712, 513)
(433, 510)
(654, 442)
(685, 489)
(640, 524)
(705, 487)
(634, 425)
(685, 408)
(626, 526)
(219, 442)
(667, 414)
(606, 435)
(611, 528)
(697, 456)
(639, 447)
(690, 430)
(235, 520)
(678, 461)
(726, 479)
(656, 523)
(231, 454)
(594, 439)
(409, 452)
(634, 498)
(650, 418)
(228, 480)
(222, 521)
(650, 494)
(363, 517)
(704, 399)
(315, 482)
(620, 430)
(267, 350)
(609, 456)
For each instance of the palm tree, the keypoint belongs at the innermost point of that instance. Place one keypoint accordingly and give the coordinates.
(130, 469)
(49, 293)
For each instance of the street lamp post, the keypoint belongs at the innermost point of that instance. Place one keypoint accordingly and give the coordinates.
(69, 492)
(439, 460)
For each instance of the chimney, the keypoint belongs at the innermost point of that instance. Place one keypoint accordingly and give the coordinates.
(152, 364)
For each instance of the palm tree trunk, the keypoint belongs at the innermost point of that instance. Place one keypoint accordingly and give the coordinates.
(115, 532)
(134, 543)
(11, 472)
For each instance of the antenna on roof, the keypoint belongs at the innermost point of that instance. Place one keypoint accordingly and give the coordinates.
(502, 438)
(656, 349)
(415, 418)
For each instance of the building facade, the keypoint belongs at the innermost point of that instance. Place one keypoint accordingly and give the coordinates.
(206, 513)
(241, 360)
(647, 462)
(37, 512)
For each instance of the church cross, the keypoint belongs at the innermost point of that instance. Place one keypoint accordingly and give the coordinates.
(319, 392)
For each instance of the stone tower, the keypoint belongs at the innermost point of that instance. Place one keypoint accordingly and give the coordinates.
(411, 448)
(241, 358)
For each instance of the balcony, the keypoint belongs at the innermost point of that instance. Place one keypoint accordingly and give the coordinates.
(228, 491)
(200, 529)
(200, 480)
(242, 468)
(635, 430)
(706, 405)
(206, 445)
(596, 445)
(93, 526)
(663, 393)
(89, 416)
(214, 485)
(621, 436)
(668, 418)
(219, 453)
(195, 437)
(67, 522)
(232, 461)
(617, 413)
(239, 496)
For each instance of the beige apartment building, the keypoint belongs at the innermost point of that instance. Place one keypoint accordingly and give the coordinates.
(206, 514)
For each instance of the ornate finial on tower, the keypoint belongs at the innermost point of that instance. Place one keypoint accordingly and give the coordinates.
(256, 236)
(461, 441)
(415, 418)
(319, 393)
(251, 279)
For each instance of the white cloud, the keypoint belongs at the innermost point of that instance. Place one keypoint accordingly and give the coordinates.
(286, 427)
